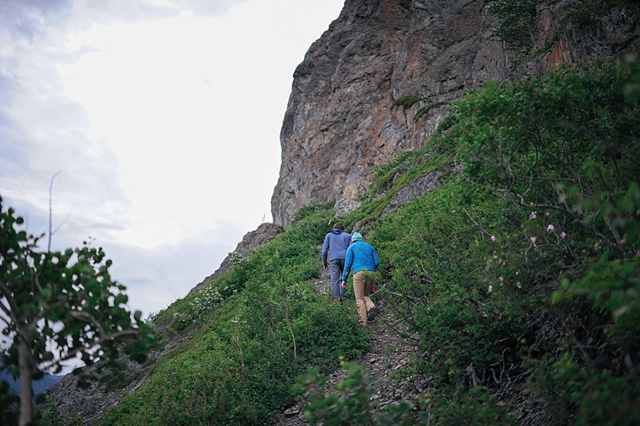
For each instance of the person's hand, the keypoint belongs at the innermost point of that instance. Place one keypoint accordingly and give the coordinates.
(344, 284)
(326, 267)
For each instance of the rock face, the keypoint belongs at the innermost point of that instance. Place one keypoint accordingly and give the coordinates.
(339, 124)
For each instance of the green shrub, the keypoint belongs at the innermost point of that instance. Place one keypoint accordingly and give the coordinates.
(51, 417)
(260, 326)
(406, 101)
(478, 406)
(434, 276)
(564, 149)
(519, 276)
(425, 109)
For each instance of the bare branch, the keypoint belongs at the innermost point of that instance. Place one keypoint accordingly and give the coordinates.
(476, 223)
(84, 316)
(51, 209)
(97, 343)
(13, 307)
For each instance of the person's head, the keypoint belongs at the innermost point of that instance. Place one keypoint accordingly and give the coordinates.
(356, 237)
(338, 225)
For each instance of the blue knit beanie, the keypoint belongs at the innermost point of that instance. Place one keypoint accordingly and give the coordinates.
(356, 237)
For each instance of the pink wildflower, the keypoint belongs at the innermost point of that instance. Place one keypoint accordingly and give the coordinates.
(501, 279)
(622, 241)
(493, 238)
(533, 240)
(563, 234)
(532, 216)
(550, 228)
(490, 288)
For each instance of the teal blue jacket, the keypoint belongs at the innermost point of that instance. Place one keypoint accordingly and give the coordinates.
(360, 256)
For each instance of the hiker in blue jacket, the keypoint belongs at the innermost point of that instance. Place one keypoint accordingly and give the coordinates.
(336, 243)
(363, 258)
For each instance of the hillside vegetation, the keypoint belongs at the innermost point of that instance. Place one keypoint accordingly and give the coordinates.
(520, 273)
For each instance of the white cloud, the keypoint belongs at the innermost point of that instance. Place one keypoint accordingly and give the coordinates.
(163, 119)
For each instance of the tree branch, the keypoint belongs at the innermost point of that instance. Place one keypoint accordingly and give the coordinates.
(50, 208)
(96, 343)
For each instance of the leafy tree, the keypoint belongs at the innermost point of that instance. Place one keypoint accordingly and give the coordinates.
(59, 306)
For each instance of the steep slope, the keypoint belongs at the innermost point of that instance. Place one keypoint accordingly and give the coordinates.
(339, 125)
(39, 386)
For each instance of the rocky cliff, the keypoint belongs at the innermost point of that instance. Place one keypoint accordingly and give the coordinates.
(339, 123)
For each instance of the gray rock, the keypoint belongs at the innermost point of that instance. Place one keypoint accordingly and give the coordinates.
(346, 206)
(416, 189)
(338, 123)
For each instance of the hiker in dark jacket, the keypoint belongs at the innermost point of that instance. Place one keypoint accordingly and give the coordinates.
(363, 259)
(336, 243)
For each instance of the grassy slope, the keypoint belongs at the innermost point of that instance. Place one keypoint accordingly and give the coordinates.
(510, 327)
(258, 328)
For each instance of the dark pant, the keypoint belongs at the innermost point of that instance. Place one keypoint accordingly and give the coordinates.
(337, 266)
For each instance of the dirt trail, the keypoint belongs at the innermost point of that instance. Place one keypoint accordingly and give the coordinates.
(388, 360)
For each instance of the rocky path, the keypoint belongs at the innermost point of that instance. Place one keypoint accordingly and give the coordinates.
(388, 360)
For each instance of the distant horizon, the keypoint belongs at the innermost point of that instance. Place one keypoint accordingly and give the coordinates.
(39, 386)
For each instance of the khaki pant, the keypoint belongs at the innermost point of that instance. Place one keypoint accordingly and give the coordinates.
(362, 289)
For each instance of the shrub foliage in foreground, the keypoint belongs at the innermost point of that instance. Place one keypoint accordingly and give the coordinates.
(565, 150)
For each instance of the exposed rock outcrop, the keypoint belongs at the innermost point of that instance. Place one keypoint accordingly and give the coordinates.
(339, 123)
(92, 403)
(251, 242)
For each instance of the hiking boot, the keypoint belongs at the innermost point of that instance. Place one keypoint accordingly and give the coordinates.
(372, 314)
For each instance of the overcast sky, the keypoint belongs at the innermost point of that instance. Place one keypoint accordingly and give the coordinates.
(162, 118)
